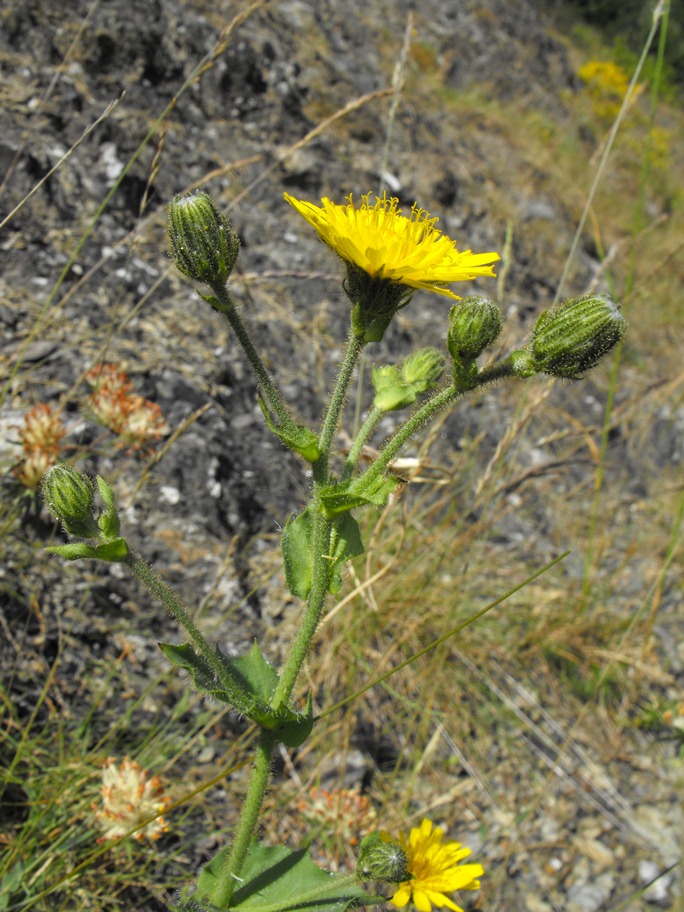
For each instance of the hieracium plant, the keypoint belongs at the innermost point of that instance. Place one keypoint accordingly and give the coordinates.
(387, 255)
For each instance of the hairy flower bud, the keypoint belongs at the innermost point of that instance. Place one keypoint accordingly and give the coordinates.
(201, 239)
(474, 325)
(68, 495)
(381, 859)
(572, 338)
(399, 387)
(423, 369)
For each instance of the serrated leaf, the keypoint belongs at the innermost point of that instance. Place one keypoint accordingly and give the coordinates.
(247, 684)
(255, 671)
(346, 543)
(339, 499)
(277, 879)
(298, 437)
(296, 544)
(297, 547)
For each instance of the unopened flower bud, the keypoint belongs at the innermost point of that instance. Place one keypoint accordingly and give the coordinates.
(399, 387)
(474, 324)
(202, 240)
(572, 338)
(68, 495)
(423, 369)
(381, 859)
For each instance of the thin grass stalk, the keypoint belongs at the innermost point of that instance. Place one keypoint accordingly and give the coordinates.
(660, 18)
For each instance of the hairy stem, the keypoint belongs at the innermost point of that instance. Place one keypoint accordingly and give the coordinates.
(425, 413)
(332, 414)
(228, 879)
(226, 305)
(156, 585)
(365, 431)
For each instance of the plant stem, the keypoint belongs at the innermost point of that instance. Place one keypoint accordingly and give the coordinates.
(322, 532)
(156, 585)
(332, 415)
(364, 433)
(405, 431)
(320, 585)
(414, 423)
(229, 876)
(271, 392)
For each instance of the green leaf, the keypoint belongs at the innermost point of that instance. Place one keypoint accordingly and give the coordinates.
(11, 884)
(109, 520)
(247, 684)
(74, 551)
(213, 300)
(340, 498)
(295, 732)
(346, 543)
(296, 544)
(113, 551)
(255, 672)
(297, 437)
(277, 879)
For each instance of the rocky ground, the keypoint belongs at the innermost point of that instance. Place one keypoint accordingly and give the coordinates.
(251, 122)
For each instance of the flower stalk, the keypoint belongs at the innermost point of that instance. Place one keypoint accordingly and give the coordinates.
(224, 303)
(229, 877)
(154, 584)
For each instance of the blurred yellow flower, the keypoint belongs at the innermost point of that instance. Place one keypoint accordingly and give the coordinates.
(344, 812)
(129, 797)
(385, 244)
(135, 420)
(435, 868)
(40, 438)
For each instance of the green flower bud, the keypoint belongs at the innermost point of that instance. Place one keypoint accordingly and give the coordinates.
(399, 387)
(474, 325)
(423, 369)
(572, 338)
(201, 239)
(390, 392)
(68, 495)
(381, 859)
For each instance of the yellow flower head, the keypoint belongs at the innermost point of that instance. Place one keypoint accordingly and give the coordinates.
(385, 244)
(130, 796)
(436, 870)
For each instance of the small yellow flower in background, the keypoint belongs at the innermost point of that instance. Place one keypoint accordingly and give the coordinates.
(436, 870)
(344, 812)
(43, 429)
(112, 403)
(607, 84)
(40, 438)
(130, 796)
(384, 243)
(143, 422)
